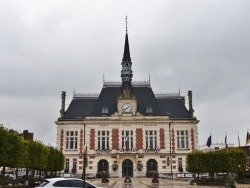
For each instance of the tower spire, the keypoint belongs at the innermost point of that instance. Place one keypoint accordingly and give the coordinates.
(126, 73)
(126, 54)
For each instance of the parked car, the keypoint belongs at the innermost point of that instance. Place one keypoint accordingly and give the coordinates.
(65, 182)
(10, 176)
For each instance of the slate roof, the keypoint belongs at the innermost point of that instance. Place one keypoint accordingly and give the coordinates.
(79, 108)
(83, 106)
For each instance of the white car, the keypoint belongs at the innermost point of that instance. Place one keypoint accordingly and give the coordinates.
(66, 182)
(10, 176)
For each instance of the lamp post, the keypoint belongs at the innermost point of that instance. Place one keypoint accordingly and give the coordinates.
(84, 163)
(84, 157)
(170, 151)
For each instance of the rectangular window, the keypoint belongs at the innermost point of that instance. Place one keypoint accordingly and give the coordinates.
(71, 139)
(75, 163)
(151, 139)
(67, 164)
(187, 143)
(182, 139)
(103, 140)
(180, 168)
(127, 140)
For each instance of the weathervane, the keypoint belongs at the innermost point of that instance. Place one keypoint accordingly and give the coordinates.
(126, 19)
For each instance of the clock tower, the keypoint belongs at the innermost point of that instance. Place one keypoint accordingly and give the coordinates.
(126, 102)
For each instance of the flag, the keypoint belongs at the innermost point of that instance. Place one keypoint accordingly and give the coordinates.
(226, 141)
(238, 141)
(126, 140)
(209, 141)
(247, 138)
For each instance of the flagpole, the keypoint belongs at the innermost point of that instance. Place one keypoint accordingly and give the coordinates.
(226, 140)
(210, 142)
(247, 138)
(238, 140)
(170, 152)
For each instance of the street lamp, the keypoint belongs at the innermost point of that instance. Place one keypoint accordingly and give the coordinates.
(170, 151)
(84, 157)
(84, 163)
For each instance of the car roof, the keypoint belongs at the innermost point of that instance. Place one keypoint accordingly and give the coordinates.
(62, 178)
(53, 180)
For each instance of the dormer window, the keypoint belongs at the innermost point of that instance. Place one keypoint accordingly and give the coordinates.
(149, 110)
(105, 110)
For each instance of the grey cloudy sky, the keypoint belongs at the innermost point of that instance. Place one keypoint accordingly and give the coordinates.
(49, 46)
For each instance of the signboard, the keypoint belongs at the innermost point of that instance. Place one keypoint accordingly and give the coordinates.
(190, 175)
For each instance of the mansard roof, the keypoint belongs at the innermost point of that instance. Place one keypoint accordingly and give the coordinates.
(79, 108)
(148, 103)
(105, 104)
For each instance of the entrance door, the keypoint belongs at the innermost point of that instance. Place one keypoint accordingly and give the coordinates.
(103, 166)
(152, 166)
(127, 168)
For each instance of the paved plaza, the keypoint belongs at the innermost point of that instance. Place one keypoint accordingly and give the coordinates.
(146, 183)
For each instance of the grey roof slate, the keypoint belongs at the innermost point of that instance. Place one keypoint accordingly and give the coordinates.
(175, 107)
(81, 107)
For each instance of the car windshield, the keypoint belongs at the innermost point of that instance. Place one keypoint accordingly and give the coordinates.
(43, 183)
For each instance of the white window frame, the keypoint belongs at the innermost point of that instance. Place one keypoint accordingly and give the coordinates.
(67, 164)
(71, 140)
(182, 139)
(74, 163)
(103, 141)
(130, 142)
(180, 165)
(151, 140)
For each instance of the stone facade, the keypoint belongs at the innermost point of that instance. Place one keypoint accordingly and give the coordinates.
(138, 124)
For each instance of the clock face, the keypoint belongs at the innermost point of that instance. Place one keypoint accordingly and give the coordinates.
(126, 107)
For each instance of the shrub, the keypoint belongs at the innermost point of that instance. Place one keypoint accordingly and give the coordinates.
(4, 180)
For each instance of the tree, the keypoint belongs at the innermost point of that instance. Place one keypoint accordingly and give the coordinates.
(16, 152)
(3, 147)
(233, 160)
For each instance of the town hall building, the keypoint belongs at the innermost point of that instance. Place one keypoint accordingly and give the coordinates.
(128, 129)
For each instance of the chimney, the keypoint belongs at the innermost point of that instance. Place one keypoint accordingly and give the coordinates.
(62, 111)
(191, 110)
(27, 135)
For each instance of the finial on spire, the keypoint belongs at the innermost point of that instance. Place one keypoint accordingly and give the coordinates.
(126, 19)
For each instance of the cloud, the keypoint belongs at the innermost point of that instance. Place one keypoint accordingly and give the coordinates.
(52, 46)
